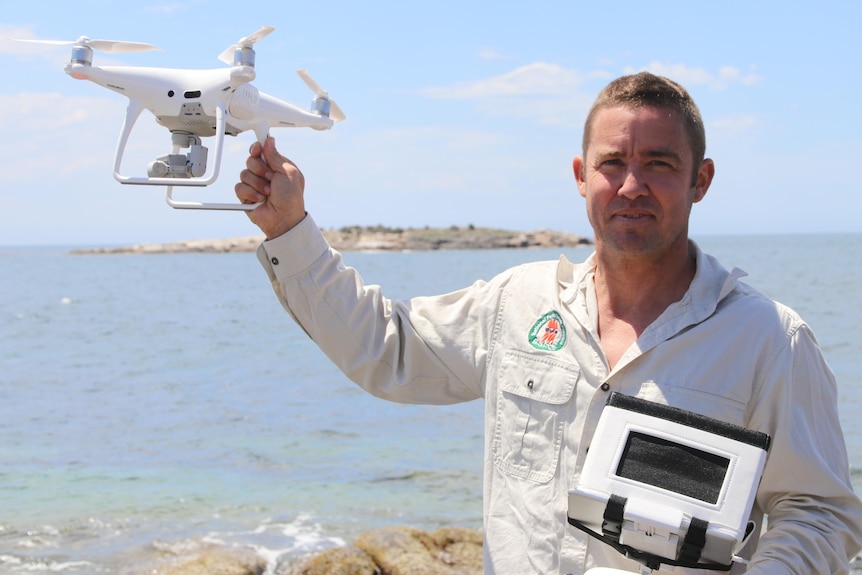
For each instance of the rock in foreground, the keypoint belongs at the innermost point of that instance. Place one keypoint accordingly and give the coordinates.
(213, 562)
(399, 551)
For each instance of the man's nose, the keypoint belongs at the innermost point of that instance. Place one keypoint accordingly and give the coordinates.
(633, 184)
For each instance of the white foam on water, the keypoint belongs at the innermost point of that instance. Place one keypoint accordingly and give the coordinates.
(11, 564)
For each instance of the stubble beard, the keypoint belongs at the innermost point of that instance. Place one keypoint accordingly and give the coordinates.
(638, 247)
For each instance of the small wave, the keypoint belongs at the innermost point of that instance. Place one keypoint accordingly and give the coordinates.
(276, 541)
(12, 564)
(307, 535)
(181, 547)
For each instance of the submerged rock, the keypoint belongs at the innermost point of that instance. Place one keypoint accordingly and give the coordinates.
(215, 563)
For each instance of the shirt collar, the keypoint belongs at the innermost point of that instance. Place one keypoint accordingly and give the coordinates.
(711, 284)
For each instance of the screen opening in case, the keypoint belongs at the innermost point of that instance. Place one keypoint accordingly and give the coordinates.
(673, 466)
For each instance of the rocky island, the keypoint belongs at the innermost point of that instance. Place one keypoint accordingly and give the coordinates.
(376, 238)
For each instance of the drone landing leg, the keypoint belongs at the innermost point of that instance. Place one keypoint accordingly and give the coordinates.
(181, 205)
(609, 571)
(133, 110)
(221, 122)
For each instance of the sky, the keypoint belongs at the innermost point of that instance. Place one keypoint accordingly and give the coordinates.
(458, 113)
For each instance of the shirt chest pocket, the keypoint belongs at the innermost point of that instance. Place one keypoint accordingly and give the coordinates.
(533, 404)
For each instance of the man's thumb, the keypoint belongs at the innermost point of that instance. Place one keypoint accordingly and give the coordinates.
(273, 159)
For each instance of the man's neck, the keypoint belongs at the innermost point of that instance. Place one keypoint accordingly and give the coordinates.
(632, 293)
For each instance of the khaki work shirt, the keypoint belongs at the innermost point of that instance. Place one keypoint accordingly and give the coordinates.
(526, 342)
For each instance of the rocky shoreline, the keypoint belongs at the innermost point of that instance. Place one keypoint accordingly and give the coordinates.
(377, 238)
(383, 551)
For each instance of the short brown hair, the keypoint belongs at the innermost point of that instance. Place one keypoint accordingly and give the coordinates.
(646, 89)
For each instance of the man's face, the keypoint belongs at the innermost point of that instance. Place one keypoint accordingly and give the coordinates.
(637, 181)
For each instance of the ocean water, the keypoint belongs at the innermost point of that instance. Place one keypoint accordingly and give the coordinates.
(151, 405)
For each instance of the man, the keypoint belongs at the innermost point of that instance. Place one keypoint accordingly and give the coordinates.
(544, 344)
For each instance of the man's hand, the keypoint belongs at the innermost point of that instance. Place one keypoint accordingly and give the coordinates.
(274, 180)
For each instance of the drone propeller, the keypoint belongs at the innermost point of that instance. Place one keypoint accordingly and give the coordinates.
(334, 111)
(110, 46)
(247, 42)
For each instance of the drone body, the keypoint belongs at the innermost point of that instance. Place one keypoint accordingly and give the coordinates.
(195, 104)
(187, 100)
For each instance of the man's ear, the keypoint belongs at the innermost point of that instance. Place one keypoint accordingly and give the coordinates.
(579, 168)
(704, 178)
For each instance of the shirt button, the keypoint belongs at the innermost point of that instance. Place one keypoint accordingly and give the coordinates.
(274, 261)
(606, 386)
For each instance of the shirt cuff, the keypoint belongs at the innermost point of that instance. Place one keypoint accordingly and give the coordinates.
(294, 251)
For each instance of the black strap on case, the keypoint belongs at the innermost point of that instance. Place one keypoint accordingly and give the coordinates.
(692, 546)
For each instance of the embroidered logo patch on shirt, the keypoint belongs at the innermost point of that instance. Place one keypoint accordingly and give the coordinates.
(549, 332)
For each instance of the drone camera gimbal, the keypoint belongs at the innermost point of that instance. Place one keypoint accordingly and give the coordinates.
(193, 164)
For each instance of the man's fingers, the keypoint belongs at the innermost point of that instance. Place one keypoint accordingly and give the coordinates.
(256, 165)
(252, 187)
(248, 195)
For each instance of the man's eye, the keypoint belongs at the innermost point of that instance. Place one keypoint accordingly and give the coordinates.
(611, 162)
(660, 164)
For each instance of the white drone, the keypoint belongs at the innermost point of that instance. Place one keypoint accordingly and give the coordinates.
(194, 104)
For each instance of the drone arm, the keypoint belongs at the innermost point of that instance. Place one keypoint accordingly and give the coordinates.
(277, 113)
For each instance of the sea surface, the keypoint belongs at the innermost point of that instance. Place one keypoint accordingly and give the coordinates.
(151, 405)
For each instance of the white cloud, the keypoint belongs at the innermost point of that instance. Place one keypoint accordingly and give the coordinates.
(538, 78)
(491, 54)
(690, 76)
(731, 74)
(544, 79)
(737, 123)
(546, 93)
